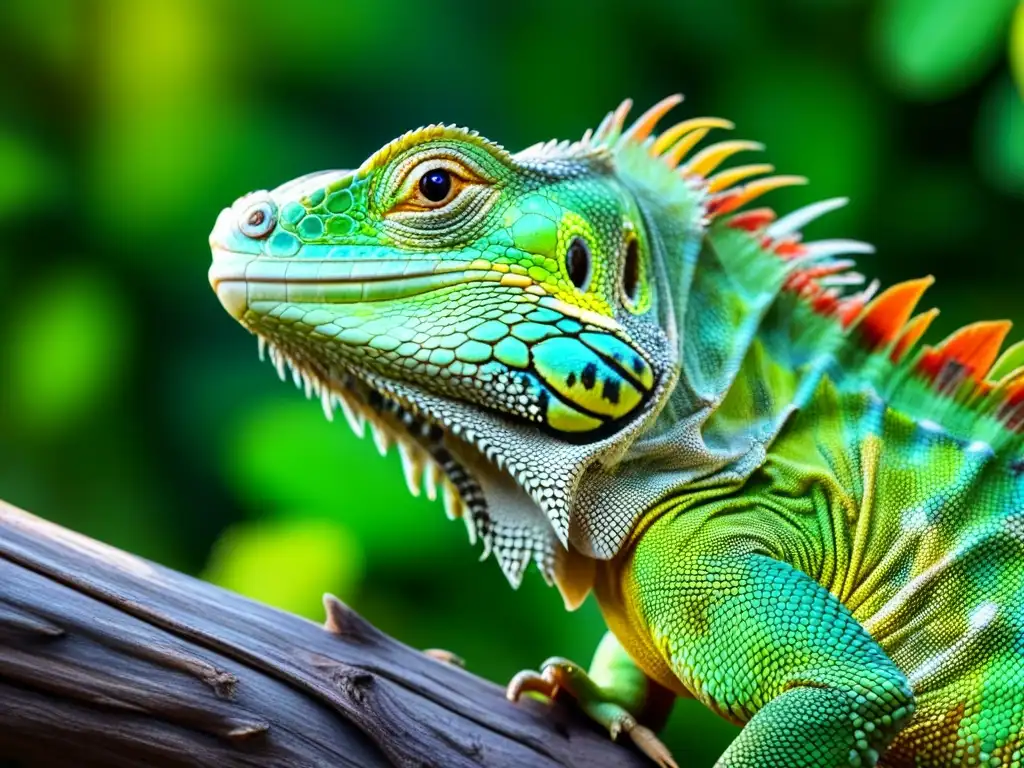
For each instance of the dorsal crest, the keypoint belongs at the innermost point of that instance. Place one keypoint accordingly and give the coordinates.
(674, 148)
(974, 392)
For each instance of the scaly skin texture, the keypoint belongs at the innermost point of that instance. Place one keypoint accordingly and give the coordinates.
(786, 506)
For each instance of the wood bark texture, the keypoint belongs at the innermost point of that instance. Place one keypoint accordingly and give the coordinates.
(110, 660)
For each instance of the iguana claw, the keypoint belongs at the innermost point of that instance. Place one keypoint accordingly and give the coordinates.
(648, 743)
(561, 674)
(533, 682)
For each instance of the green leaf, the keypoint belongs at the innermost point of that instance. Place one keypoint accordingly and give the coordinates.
(931, 49)
(65, 349)
(286, 563)
(999, 139)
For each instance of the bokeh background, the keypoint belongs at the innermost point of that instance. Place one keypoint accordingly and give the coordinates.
(133, 409)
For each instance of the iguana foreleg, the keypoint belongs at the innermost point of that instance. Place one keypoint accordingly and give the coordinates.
(616, 693)
(761, 642)
(753, 638)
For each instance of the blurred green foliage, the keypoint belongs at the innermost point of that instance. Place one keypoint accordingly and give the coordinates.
(934, 48)
(1017, 46)
(133, 409)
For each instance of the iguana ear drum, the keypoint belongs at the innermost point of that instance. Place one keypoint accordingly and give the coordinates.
(631, 272)
(579, 263)
(592, 380)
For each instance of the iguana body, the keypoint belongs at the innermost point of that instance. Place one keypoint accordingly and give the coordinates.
(785, 505)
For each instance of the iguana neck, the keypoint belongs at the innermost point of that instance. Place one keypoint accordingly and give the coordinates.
(821, 430)
(750, 350)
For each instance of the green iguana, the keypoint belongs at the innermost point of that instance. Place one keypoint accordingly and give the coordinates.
(785, 505)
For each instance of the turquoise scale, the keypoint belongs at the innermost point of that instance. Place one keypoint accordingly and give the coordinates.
(592, 380)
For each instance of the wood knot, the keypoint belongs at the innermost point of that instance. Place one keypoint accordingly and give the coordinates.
(353, 683)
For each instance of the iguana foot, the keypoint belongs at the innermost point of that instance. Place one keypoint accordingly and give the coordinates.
(557, 674)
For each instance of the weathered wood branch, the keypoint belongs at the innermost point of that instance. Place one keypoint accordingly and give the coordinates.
(109, 660)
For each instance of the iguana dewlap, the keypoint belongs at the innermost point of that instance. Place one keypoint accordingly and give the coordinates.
(786, 505)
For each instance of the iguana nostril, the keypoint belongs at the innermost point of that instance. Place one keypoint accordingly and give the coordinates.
(258, 220)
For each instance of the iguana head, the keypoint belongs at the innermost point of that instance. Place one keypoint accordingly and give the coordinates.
(507, 320)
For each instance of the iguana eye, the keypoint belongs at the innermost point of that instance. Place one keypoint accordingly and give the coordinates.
(258, 220)
(435, 185)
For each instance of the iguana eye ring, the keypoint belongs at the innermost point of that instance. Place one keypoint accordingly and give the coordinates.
(434, 184)
(257, 221)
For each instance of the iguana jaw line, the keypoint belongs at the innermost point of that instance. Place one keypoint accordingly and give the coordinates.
(239, 279)
(479, 480)
(435, 454)
(333, 281)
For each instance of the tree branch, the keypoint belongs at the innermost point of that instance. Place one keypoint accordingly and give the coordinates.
(109, 660)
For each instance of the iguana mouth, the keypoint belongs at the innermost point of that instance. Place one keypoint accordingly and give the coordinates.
(428, 463)
(242, 279)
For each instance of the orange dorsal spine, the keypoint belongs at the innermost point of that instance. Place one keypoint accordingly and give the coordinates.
(974, 348)
(885, 318)
(964, 366)
(912, 334)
